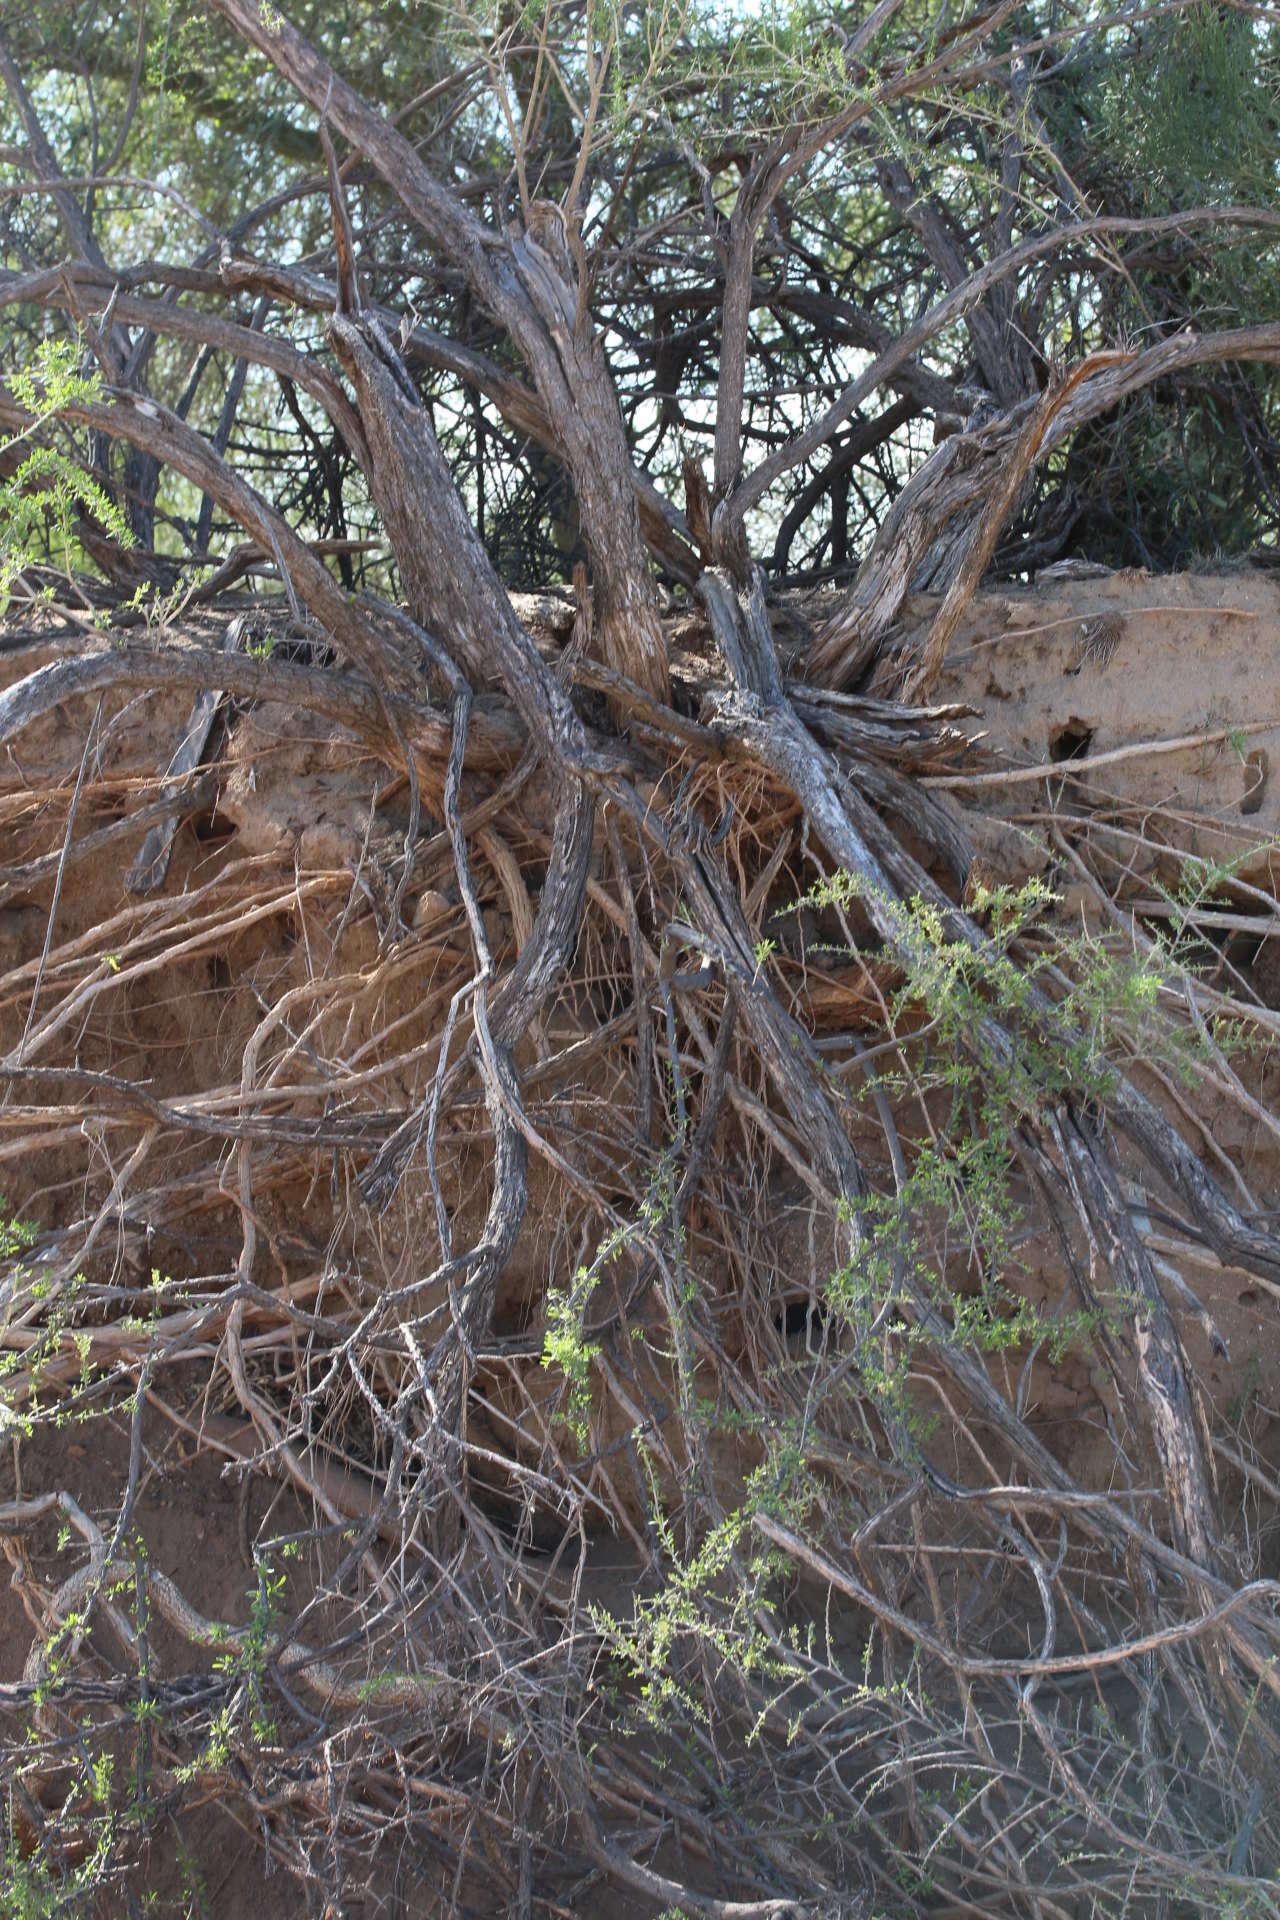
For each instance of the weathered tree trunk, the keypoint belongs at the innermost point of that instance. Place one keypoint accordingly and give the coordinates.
(920, 547)
(528, 285)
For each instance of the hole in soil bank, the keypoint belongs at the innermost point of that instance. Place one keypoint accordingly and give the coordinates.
(210, 828)
(801, 1321)
(1256, 769)
(1070, 742)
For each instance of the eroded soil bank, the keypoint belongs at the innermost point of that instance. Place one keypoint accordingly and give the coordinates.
(1121, 725)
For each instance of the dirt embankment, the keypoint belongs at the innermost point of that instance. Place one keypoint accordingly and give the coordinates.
(1155, 705)
(1148, 707)
(1143, 714)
